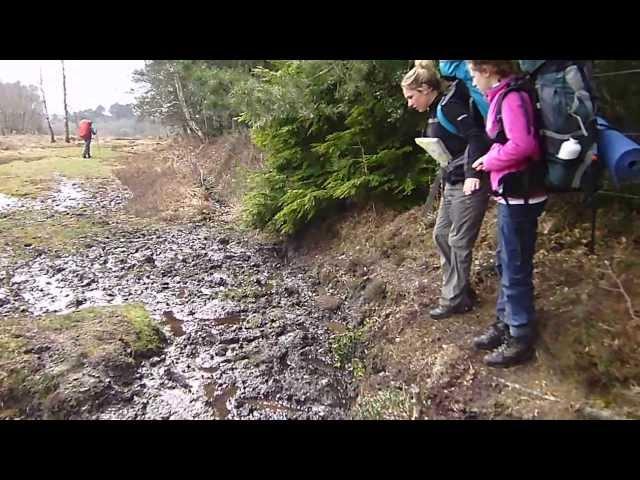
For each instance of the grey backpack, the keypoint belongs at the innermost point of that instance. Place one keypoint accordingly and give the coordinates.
(564, 95)
(565, 109)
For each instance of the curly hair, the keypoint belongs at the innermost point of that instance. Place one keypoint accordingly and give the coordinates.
(502, 68)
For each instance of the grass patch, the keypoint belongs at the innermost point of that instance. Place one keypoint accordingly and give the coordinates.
(35, 172)
(346, 347)
(129, 324)
(23, 229)
(247, 292)
(11, 345)
(148, 337)
(43, 359)
(389, 404)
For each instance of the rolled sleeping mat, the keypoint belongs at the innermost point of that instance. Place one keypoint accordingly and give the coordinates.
(620, 154)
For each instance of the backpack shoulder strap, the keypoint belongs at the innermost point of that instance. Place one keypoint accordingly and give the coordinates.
(517, 86)
(442, 118)
(444, 121)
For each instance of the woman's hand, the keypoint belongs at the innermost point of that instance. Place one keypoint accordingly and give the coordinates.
(470, 185)
(479, 164)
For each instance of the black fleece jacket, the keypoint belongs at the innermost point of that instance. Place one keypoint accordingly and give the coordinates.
(472, 141)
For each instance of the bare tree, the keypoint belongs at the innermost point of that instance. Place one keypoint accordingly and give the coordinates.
(46, 112)
(66, 112)
(185, 109)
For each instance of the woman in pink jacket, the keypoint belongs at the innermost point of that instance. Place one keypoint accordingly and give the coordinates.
(513, 162)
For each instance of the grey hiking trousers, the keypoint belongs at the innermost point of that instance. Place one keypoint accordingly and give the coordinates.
(457, 226)
(87, 148)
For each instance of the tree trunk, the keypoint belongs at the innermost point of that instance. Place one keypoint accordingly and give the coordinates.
(46, 112)
(185, 110)
(204, 116)
(66, 112)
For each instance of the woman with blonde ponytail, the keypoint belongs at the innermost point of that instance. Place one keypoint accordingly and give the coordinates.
(465, 191)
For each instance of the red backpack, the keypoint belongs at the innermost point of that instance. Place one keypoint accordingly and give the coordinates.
(84, 130)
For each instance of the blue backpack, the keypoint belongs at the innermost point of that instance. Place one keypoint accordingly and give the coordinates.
(458, 69)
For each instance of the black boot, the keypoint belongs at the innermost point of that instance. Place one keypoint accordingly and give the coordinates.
(514, 351)
(472, 295)
(493, 337)
(441, 312)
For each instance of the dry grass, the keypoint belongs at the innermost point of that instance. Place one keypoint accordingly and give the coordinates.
(587, 353)
(183, 178)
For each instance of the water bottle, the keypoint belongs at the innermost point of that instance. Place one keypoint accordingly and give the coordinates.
(569, 150)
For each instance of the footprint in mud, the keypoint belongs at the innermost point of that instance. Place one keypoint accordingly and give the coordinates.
(175, 324)
(262, 405)
(209, 369)
(219, 401)
(230, 319)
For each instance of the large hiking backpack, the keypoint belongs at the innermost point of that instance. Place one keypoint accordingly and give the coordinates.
(84, 129)
(563, 94)
(458, 69)
(565, 110)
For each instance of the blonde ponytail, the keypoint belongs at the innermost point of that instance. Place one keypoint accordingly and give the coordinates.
(424, 73)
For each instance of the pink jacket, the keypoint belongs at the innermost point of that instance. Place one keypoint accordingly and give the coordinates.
(522, 141)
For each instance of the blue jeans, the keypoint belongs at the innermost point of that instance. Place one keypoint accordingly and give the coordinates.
(517, 234)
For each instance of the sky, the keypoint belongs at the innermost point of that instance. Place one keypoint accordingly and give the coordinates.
(89, 82)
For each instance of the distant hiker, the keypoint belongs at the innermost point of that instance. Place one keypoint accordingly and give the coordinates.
(86, 131)
(465, 191)
(514, 154)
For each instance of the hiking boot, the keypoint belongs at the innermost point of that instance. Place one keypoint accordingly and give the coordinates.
(472, 295)
(493, 337)
(441, 312)
(514, 351)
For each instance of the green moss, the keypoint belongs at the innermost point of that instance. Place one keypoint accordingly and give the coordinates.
(148, 337)
(61, 322)
(97, 327)
(97, 337)
(10, 346)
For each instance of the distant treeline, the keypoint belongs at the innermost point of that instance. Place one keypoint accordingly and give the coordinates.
(334, 132)
(21, 112)
(20, 109)
(121, 121)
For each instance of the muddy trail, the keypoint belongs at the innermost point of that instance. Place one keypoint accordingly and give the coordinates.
(244, 337)
(114, 306)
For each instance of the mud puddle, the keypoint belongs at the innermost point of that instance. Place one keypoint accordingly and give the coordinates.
(233, 313)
